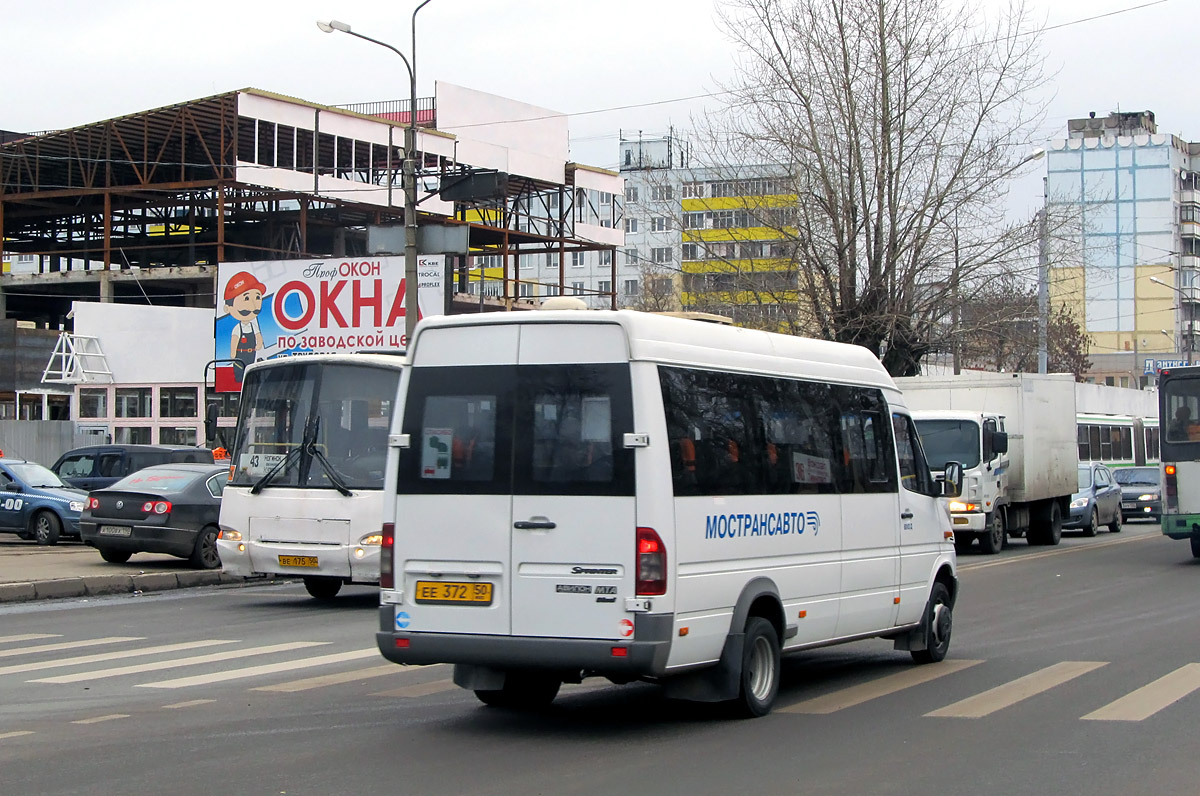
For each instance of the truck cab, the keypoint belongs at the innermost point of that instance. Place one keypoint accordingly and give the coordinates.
(979, 442)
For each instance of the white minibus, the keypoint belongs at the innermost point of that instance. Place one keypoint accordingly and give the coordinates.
(639, 497)
(305, 491)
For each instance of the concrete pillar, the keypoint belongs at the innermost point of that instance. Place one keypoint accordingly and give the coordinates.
(106, 287)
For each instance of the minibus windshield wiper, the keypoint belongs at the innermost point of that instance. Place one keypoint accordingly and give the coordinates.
(332, 473)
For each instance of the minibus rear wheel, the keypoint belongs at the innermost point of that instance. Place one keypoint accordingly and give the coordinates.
(760, 669)
(522, 690)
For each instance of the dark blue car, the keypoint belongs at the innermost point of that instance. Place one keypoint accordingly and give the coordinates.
(36, 504)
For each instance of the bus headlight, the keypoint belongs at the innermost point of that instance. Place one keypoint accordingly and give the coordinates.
(372, 540)
(230, 535)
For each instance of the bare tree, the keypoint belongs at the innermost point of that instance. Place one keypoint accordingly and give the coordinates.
(898, 123)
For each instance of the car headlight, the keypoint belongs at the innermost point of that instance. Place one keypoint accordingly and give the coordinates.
(76, 505)
(1148, 496)
(1079, 503)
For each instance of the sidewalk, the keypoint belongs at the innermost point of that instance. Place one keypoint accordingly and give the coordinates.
(69, 569)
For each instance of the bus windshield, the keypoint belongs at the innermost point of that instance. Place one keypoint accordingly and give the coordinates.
(314, 424)
(950, 441)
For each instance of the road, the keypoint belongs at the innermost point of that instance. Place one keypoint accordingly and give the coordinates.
(1071, 671)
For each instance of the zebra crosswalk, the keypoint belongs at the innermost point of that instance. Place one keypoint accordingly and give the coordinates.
(982, 688)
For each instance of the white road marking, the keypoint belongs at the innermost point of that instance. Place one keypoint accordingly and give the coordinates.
(215, 657)
(419, 690)
(98, 719)
(270, 668)
(110, 656)
(28, 637)
(1058, 552)
(15, 734)
(1150, 699)
(1010, 693)
(189, 704)
(890, 684)
(67, 645)
(331, 679)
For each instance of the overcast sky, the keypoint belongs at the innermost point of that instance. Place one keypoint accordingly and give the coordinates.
(72, 62)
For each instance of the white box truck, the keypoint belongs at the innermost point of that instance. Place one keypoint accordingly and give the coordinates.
(1014, 434)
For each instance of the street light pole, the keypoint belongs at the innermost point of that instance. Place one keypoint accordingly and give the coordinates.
(412, 309)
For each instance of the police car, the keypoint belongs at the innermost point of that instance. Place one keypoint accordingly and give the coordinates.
(36, 504)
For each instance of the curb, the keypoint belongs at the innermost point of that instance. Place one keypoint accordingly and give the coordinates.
(98, 585)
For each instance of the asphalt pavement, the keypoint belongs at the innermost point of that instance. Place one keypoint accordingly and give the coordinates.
(70, 569)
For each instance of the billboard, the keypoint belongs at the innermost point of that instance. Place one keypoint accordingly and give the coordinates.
(274, 308)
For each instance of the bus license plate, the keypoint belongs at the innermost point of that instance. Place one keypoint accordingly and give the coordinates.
(115, 530)
(440, 592)
(297, 561)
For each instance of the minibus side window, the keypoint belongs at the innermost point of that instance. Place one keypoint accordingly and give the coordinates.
(914, 470)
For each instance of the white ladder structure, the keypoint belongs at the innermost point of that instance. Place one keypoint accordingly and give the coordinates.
(77, 359)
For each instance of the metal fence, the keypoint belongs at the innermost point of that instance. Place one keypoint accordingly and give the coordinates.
(41, 441)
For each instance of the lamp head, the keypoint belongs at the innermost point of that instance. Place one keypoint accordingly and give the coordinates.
(332, 25)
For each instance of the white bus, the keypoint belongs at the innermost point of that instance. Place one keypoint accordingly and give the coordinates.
(306, 470)
(649, 498)
(1179, 414)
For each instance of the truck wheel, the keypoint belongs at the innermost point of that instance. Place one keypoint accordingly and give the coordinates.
(1093, 523)
(992, 541)
(1196, 547)
(1055, 529)
(962, 542)
(938, 622)
(760, 669)
(323, 588)
(522, 690)
(1048, 527)
(1115, 525)
(46, 528)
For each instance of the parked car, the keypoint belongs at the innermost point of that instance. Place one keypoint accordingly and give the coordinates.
(1141, 493)
(98, 466)
(36, 504)
(1098, 501)
(167, 508)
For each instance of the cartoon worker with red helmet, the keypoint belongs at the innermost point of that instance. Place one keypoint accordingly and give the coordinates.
(243, 300)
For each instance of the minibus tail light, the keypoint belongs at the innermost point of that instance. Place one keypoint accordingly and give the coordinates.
(386, 578)
(651, 563)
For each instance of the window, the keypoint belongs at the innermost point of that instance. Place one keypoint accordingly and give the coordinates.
(735, 434)
(177, 436)
(177, 402)
(631, 257)
(577, 288)
(216, 485)
(661, 254)
(524, 289)
(131, 435)
(693, 190)
(605, 198)
(694, 220)
(631, 226)
(660, 224)
(631, 193)
(914, 470)
(630, 288)
(93, 403)
(606, 257)
(132, 402)
(577, 259)
(661, 193)
(691, 251)
(604, 286)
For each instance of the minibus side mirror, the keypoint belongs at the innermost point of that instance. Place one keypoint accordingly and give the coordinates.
(210, 424)
(952, 480)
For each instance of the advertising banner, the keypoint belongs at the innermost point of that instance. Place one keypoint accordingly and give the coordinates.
(276, 308)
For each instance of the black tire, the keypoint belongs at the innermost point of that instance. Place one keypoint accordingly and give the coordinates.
(25, 534)
(46, 527)
(760, 670)
(1196, 547)
(323, 588)
(962, 543)
(1115, 525)
(1055, 529)
(114, 556)
(205, 555)
(1093, 522)
(992, 540)
(937, 625)
(522, 691)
